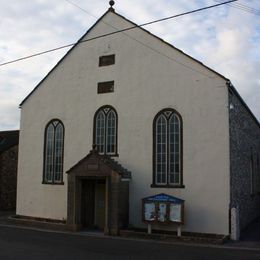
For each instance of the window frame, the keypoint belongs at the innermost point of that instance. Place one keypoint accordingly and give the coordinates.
(168, 184)
(44, 179)
(105, 87)
(107, 60)
(106, 113)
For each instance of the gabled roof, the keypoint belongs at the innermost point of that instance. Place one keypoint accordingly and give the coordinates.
(229, 85)
(107, 160)
(134, 26)
(77, 43)
(8, 139)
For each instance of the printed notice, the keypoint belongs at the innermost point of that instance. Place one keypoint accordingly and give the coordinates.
(162, 212)
(149, 211)
(175, 212)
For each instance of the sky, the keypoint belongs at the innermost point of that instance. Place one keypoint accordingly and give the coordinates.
(226, 38)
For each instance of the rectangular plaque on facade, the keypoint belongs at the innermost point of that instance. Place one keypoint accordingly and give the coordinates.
(92, 166)
(106, 60)
(105, 87)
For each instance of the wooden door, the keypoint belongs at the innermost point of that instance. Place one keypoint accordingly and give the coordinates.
(88, 203)
(100, 204)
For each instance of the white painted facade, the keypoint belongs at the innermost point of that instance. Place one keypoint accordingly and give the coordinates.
(149, 76)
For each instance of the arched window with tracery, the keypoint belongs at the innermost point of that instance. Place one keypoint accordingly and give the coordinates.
(105, 130)
(167, 149)
(53, 152)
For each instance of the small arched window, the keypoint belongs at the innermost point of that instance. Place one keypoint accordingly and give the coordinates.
(105, 130)
(53, 152)
(167, 152)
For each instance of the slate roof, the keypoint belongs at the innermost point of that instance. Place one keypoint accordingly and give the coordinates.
(113, 164)
(107, 160)
(8, 139)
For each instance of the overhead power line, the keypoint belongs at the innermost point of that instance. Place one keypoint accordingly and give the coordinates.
(139, 41)
(118, 31)
(243, 7)
(82, 9)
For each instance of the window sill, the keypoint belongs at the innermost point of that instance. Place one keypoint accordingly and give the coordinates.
(53, 183)
(110, 155)
(168, 186)
(113, 155)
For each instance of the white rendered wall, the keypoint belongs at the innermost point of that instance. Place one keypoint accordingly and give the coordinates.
(147, 79)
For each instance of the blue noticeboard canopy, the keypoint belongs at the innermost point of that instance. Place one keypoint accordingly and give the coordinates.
(164, 198)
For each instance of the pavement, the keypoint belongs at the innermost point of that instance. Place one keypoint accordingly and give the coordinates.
(4, 215)
(249, 240)
(27, 244)
(250, 237)
(252, 232)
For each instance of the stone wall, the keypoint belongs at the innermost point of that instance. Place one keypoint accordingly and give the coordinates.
(8, 178)
(244, 149)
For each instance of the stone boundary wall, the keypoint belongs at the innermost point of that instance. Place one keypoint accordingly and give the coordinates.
(8, 178)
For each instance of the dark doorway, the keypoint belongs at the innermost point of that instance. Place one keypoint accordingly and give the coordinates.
(93, 204)
(98, 194)
(88, 203)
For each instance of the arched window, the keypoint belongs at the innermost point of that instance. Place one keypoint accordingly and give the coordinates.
(105, 130)
(53, 152)
(167, 151)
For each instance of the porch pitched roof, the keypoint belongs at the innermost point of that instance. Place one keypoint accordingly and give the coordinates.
(107, 160)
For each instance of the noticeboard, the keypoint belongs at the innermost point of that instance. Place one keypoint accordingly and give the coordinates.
(163, 208)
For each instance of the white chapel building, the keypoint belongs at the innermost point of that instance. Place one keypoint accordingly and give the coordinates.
(126, 116)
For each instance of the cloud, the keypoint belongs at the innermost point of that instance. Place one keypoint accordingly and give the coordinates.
(217, 37)
(232, 53)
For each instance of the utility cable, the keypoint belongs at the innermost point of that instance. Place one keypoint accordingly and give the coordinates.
(243, 7)
(138, 41)
(79, 7)
(119, 31)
